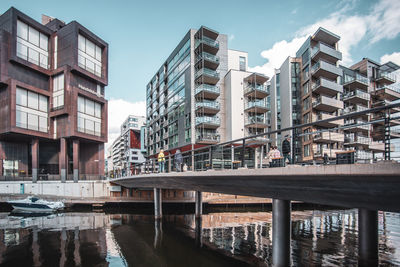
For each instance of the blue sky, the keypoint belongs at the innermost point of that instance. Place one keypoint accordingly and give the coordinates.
(141, 34)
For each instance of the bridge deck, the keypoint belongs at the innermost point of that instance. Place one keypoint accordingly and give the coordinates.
(372, 186)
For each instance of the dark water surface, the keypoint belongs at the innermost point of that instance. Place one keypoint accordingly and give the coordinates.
(327, 238)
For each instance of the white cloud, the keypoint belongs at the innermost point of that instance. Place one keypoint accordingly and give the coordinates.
(118, 111)
(276, 55)
(394, 57)
(381, 22)
(231, 37)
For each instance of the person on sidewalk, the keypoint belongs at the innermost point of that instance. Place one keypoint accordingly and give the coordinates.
(286, 150)
(161, 161)
(178, 160)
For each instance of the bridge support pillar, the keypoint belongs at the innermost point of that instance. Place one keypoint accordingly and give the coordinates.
(281, 232)
(35, 159)
(367, 237)
(199, 204)
(157, 233)
(157, 204)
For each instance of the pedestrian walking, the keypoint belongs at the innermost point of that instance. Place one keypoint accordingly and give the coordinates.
(286, 149)
(161, 161)
(178, 160)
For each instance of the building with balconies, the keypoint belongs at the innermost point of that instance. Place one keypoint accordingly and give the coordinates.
(53, 114)
(128, 149)
(203, 94)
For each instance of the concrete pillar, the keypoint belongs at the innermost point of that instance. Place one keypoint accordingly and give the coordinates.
(35, 159)
(169, 162)
(75, 152)
(192, 158)
(63, 160)
(255, 158)
(367, 238)
(281, 232)
(261, 156)
(157, 204)
(199, 204)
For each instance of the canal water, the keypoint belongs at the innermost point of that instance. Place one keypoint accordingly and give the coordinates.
(229, 238)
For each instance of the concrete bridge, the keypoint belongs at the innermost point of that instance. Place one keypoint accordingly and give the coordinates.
(368, 187)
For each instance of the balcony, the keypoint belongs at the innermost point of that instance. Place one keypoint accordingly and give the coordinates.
(379, 133)
(324, 116)
(207, 138)
(327, 104)
(377, 147)
(207, 76)
(256, 122)
(207, 91)
(357, 97)
(329, 137)
(357, 126)
(387, 92)
(357, 81)
(385, 103)
(207, 107)
(209, 45)
(209, 60)
(385, 78)
(207, 122)
(325, 69)
(331, 152)
(327, 87)
(363, 155)
(357, 141)
(325, 52)
(258, 106)
(258, 91)
(355, 108)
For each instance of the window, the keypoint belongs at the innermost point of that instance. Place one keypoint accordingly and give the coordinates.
(307, 151)
(58, 91)
(32, 45)
(89, 116)
(89, 56)
(242, 63)
(31, 110)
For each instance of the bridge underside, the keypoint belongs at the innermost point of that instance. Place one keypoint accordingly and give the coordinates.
(369, 186)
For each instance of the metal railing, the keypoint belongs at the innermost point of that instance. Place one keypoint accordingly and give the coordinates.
(252, 151)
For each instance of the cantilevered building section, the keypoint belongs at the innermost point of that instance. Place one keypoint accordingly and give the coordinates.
(203, 94)
(53, 114)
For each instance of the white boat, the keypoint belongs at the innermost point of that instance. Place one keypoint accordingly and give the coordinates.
(34, 204)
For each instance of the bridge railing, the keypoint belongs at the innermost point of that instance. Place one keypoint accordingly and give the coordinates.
(353, 136)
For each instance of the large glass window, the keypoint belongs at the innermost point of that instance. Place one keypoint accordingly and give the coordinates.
(32, 45)
(31, 110)
(89, 116)
(58, 91)
(89, 55)
(242, 63)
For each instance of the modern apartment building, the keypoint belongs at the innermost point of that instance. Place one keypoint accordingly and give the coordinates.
(127, 151)
(53, 114)
(309, 88)
(368, 84)
(312, 88)
(203, 94)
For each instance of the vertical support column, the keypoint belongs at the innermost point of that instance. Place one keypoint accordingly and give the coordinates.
(232, 155)
(157, 204)
(367, 237)
(192, 157)
(2, 157)
(261, 156)
(157, 233)
(198, 232)
(35, 159)
(75, 151)
(199, 204)
(256, 158)
(63, 159)
(281, 232)
(243, 152)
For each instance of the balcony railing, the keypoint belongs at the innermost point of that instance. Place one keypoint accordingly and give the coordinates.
(259, 87)
(354, 108)
(261, 104)
(208, 137)
(357, 77)
(205, 119)
(386, 75)
(390, 87)
(207, 41)
(357, 93)
(208, 104)
(208, 87)
(208, 72)
(209, 57)
(327, 67)
(326, 49)
(255, 120)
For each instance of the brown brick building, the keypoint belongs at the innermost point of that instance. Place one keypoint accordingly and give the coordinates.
(53, 114)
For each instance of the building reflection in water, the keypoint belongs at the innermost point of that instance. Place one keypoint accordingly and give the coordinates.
(98, 239)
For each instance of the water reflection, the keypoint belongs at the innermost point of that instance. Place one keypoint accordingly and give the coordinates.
(218, 239)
